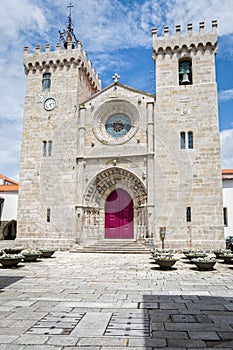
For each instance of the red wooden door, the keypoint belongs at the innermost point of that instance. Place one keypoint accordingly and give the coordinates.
(119, 215)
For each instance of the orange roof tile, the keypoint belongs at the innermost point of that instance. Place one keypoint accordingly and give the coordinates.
(9, 184)
(227, 171)
(227, 174)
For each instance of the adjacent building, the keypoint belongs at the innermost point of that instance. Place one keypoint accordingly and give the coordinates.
(8, 207)
(227, 175)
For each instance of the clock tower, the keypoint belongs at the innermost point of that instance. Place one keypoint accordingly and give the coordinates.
(56, 82)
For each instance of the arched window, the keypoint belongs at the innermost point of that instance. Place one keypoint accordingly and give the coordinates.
(48, 214)
(182, 140)
(188, 214)
(46, 82)
(44, 148)
(49, 148)
(190, 139)
(185, 71)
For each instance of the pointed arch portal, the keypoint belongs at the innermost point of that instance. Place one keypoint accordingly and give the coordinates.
(119, 215)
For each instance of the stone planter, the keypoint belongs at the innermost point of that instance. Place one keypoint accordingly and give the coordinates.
(30, 256)
(46, 253)
(15, 250)
(165, 263)
(219, 252)
(203, 264)
(10, 262)
(228, 258)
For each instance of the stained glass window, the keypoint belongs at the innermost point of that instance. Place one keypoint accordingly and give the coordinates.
(118, 125)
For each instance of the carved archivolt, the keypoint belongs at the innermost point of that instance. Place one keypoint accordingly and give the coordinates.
(108, 180)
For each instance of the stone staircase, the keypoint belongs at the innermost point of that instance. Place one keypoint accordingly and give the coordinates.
(117, 247)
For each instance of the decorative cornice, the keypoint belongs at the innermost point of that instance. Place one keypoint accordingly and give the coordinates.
(60, 58)
(189, 42)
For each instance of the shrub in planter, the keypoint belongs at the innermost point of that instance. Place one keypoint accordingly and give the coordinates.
(187, 251)
(13, 250)
(47, 253)
(157, 252)
(31, 255)
(195, 254)
(165, 261)
(219, 252)
(205, 263)
(10, 260)
(227, 257)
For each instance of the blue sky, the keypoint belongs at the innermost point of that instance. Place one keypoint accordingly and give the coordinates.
(117, 37)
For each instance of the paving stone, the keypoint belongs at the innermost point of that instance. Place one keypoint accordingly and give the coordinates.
(62, 340)
(41, 347)
(213, 344)
(102, 341)
(148, 305)
(148, 342)
(93, 324)
(31, 339)
(118, 286)
(10, 347)
(226, 335)
(197, 327)
(204, 335)
(7, 339)
(185, 343)
(167, 334)
(183, 318)
(82, 348)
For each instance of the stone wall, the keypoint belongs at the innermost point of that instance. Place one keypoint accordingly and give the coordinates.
(188, 177)
(49, 182)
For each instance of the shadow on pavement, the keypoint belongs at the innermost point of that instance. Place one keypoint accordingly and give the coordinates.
(5, 281)
(188, 321)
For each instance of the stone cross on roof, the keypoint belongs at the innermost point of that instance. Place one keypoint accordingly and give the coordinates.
(116, 78)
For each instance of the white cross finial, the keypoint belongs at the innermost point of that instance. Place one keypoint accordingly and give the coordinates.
(116, 78)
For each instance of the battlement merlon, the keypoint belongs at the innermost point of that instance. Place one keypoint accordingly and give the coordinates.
(43, 60)
(192, 41)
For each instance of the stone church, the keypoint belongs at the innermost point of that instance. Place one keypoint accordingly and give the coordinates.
(118, 164)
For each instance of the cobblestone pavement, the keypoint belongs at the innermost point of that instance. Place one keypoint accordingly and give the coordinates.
(114, 301)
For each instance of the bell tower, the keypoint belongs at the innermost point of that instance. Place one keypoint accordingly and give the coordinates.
(187, 152)
(56, 82)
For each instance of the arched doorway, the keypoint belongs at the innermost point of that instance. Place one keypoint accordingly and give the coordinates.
(119, 215)
(9, 231)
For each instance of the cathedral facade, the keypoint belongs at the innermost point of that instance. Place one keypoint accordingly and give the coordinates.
(118, 164)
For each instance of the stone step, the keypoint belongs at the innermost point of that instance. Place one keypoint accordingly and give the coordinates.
(113, 247)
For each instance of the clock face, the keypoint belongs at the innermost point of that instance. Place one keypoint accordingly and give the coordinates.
(49, 104)
(118, 125)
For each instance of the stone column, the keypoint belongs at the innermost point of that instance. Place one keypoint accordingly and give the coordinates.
(150, 169)
(80, 173)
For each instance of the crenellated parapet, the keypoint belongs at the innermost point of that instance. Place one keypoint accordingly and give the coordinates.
(60, 59)
(185, 43)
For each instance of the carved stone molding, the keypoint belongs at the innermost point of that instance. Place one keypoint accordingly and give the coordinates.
(106, 181)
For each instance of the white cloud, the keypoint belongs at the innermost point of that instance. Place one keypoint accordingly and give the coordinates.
(227, 148)
(183, 12)
(19, 18)
(225, 95)
(10, 136)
